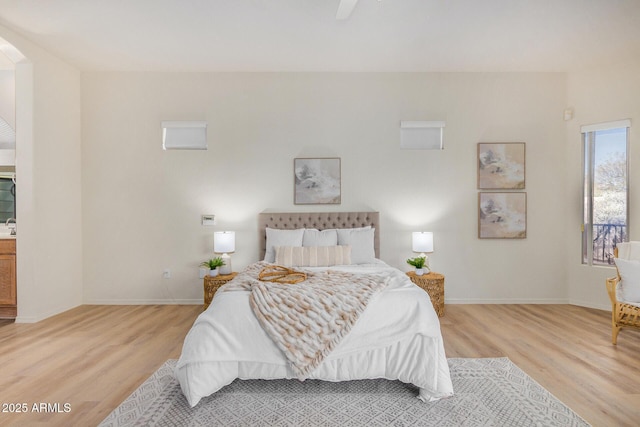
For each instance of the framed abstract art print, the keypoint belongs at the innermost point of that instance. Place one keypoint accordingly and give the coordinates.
(501, 166)
(317, 181)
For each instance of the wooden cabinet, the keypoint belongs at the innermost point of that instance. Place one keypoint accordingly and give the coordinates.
(8, 298)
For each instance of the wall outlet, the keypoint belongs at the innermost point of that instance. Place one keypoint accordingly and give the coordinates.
(166, 273)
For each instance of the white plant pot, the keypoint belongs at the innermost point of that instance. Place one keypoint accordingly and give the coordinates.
(419, 271)
(213, 273)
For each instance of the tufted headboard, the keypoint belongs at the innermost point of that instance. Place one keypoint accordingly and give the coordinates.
(319, 220)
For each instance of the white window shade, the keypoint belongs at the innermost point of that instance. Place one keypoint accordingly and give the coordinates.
(184, 135)
(422, 135)
(606, 126)
(7, 135)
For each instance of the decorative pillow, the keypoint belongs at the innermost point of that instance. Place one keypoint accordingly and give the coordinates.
(361, 242)
(313, 237)
(277, 237)
(630, 283)
(313, 256)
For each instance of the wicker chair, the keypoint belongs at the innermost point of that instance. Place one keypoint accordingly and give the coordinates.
(622, 315)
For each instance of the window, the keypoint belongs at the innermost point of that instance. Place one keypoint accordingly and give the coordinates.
(605, 198)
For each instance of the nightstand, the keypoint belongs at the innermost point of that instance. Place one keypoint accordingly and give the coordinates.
(433, 284)
(211, 285)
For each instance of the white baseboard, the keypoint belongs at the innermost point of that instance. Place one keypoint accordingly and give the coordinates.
(506, 301)
(605, 307)
(51, 313)
(145, 302)
(447, 301)
(42, 316)
(579, 303)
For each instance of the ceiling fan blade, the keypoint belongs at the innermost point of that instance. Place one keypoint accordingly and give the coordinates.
(345, 8)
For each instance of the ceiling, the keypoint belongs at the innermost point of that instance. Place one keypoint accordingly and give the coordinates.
(304, 35)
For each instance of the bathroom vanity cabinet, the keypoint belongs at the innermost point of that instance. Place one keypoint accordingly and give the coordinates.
(8, 299)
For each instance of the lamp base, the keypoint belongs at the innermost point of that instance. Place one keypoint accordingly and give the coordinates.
(226, 268)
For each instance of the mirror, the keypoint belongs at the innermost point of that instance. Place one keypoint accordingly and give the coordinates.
(7, 193)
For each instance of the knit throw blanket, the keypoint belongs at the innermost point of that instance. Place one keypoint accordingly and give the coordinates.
(308, 320)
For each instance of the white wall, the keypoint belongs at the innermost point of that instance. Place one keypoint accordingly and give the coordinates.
(49, 243)
(141, 206)
(138, 208)
(600, 95)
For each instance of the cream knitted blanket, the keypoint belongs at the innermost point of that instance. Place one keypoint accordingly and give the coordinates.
(309, 319)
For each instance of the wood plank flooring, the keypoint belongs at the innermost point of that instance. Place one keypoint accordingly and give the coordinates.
(93, 357)
(567, 349)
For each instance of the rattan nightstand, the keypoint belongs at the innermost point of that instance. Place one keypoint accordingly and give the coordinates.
(211, 285)
(433, 284)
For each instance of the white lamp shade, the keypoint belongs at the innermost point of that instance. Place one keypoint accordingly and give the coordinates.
(224, 241)
(422, 241)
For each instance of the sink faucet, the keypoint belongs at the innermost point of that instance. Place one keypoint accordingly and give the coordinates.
(13, 229)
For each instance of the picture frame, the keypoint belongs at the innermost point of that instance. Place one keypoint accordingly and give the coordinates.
(502, 215)
(317, 181)
(501, 165)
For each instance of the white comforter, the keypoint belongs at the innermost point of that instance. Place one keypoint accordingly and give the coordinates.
(397, 337)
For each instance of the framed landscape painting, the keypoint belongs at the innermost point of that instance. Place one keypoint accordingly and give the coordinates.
(502, 215)
(501, 166)
(317, 181)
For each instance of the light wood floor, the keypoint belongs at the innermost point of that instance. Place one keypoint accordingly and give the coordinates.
(93, 357)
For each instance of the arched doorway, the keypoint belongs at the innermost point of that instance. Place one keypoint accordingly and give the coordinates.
(16, 86)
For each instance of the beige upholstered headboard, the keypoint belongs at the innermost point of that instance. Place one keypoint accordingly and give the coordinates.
(319, 220)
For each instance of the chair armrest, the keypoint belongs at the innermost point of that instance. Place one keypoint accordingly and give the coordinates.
(611, 290)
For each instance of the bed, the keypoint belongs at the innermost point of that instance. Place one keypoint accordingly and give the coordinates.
(390, 329)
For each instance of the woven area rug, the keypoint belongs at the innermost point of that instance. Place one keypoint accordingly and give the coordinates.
(488, 392)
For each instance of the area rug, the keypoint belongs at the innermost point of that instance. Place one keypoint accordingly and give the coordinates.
(488, 392)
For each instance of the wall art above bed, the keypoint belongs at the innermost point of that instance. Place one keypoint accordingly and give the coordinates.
(502, 215)
(317, 181)
(501, 166)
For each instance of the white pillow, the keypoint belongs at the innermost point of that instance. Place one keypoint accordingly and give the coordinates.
(313, 256)
(629, 250)
(313, 237)
(630, 283)
(277, 237)
(361, 242)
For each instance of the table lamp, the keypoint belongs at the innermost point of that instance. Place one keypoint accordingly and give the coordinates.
(423, 243)
(224, 242)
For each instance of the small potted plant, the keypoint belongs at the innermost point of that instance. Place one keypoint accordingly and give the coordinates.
(419, 264)
(213, 265)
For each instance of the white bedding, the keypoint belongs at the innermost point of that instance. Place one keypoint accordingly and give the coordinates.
(397, 337)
